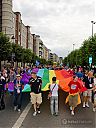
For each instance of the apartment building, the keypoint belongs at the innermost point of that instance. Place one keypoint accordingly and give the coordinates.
(23, 35)
(51, 56)
(55, 58)
(60, 60)
(37, 40)
(12, 25)
(45, 52)
(6, 17)
(0, 15)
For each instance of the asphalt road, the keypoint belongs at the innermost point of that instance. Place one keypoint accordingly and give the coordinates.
(84, 117)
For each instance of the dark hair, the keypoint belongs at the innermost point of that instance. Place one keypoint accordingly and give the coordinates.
(54, 79)
(33, 73)
(74, 76)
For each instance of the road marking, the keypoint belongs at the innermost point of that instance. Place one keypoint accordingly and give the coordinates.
(23, 115)
(95, 120)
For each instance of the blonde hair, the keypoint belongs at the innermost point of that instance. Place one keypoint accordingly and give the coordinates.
(90, 74)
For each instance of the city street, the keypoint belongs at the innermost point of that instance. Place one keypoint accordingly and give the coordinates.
(84, 117)
(46, 45)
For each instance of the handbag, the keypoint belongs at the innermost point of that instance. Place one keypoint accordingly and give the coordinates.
(50, 93)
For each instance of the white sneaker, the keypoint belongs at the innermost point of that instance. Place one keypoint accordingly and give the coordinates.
(72, 113)
(71, 108)
(15, 108)
(87, 105)
(56, 114)
(35, 113)
(19, 110)
(84, 105)
(39, 112)
(94, 110)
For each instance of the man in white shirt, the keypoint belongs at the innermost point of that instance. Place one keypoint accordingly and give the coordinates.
(54, 97)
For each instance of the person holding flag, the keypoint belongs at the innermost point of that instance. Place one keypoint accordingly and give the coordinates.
(36, 96)
(18, 93)
(74, 97)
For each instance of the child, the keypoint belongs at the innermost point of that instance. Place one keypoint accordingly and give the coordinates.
(54, 97)
(18, 93)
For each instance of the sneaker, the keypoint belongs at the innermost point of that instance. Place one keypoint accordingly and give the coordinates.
(71, 108)
(72, 113)
(52, 114)
(35, 113)
(38, 110)
(84, 105)
(94, 109)
(87, 105)
(15, 108)
(19, 110)
(56, 114)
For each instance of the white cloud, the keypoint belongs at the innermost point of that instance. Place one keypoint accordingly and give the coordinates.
(60, 23)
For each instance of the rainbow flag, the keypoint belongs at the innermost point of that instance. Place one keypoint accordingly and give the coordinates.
(63, 79)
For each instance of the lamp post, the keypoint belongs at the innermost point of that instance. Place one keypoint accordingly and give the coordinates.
(73, 46)
(93, 22)
(68, 60)
(12, 59)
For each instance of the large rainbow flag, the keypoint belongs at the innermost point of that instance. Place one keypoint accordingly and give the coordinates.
(63, 79)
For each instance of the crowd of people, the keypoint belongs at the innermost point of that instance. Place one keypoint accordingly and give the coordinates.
(88, 78)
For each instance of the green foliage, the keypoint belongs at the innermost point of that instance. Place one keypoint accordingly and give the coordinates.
(43, 61)
(80, 56)
(21, 55)
(27, 54)
(18, 50)
(5, 47)
(49, 62)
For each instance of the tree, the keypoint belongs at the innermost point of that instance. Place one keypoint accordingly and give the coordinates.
(49, 62)
(18, 50)
(27, 53)
(81, 55)
(5, 47)
(43, 61)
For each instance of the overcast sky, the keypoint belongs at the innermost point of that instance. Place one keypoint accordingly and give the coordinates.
(60, 23)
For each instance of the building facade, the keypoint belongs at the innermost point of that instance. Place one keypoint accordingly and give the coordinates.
(51, 56)
(41, 49)
(11, 24)
(45, 52)
(0, 15)
(23, 35)
(6, 17)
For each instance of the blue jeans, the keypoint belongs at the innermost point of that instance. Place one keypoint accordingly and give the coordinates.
(18, 100)
(54, 104)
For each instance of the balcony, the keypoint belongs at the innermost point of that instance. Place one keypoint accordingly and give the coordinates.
(41, 43)
(40, 47)
(40, 52)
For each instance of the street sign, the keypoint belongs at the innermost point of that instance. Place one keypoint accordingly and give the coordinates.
(90, 60)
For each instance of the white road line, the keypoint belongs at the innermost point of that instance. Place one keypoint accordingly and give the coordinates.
(23, 115)
(95, 120)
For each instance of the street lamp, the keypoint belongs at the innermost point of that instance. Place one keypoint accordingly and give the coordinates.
(92, 28)
(12, 59)
(73, 46)
(67, 59)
